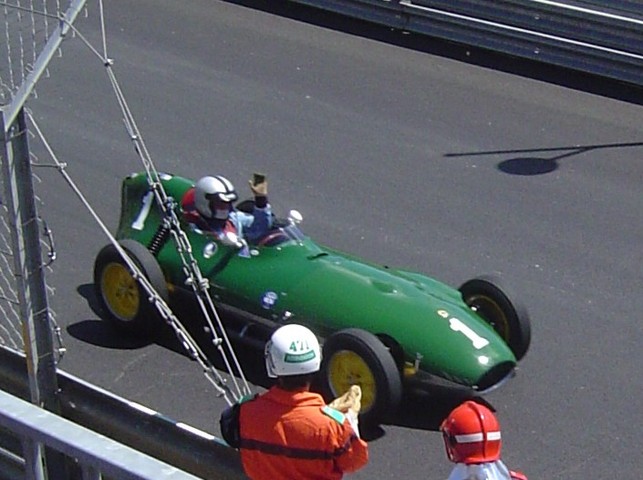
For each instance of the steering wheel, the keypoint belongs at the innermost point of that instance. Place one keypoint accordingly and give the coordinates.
(272, 239)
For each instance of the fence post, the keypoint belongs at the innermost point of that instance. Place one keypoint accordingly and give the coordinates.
(30, 286)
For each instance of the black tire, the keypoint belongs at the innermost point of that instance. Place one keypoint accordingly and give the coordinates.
(486, 296)
(122, 298)
(355, 356)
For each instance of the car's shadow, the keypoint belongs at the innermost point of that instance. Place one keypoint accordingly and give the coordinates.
(102, 333)
(420, 409)
(98, 332)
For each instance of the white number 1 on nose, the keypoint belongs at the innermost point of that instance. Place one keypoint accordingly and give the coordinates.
(139, 223)
(477, 341)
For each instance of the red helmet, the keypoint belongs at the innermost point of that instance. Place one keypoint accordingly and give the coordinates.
(471, 434)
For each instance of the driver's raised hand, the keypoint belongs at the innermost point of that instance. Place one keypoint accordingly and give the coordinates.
(259, 189)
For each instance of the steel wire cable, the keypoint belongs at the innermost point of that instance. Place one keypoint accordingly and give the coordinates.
(194, 278)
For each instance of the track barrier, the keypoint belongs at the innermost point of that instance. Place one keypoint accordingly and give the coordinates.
(583, 36)
(135, 426)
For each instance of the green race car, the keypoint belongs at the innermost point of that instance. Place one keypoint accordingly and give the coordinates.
(382, 328)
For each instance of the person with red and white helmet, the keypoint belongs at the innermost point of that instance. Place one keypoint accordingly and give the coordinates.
(209, 208)
(473, 442)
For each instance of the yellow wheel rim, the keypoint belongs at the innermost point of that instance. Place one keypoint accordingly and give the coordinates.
(492, 313)
(346, 368)
(120, 291)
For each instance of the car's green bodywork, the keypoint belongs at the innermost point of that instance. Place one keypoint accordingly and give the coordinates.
(301, 281)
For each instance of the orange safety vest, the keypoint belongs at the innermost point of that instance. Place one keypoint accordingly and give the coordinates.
(295, 436)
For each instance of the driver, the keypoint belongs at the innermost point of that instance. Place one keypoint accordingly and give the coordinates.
(209, 207)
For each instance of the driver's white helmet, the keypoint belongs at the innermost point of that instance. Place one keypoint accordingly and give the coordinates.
(208, 188)
(292, 350)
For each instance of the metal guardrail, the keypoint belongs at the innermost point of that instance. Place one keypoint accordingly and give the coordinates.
(630, 7)
(131, 424)
(581, 37)
(97, 455)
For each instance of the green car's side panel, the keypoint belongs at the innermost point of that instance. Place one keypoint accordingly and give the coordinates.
(341, 292)
(327, 290)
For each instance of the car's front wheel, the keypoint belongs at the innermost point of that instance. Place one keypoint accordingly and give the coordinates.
(357, 357)
(486, 296)
(123, 299)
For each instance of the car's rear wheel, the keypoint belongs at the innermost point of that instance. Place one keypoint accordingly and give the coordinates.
(486, 296)
(121, 296)
(357, 357)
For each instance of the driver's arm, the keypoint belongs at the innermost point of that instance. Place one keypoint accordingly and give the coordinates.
(255, 226)
(260, 221)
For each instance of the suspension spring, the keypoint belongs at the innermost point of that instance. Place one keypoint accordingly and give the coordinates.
(160, 238)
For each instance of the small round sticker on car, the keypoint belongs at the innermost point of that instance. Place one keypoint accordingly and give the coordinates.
(268, 300)
(210, 249)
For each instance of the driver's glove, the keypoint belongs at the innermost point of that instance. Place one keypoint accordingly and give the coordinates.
(259, 189)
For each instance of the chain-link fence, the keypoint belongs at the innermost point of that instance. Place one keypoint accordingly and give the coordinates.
(23, 39)
(31, 34)
(10, 328)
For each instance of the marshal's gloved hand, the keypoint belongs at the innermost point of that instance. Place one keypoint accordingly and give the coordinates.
(351, 400)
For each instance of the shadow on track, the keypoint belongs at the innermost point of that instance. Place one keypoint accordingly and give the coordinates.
(540, 165)
(465, 53)
(98, 332)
